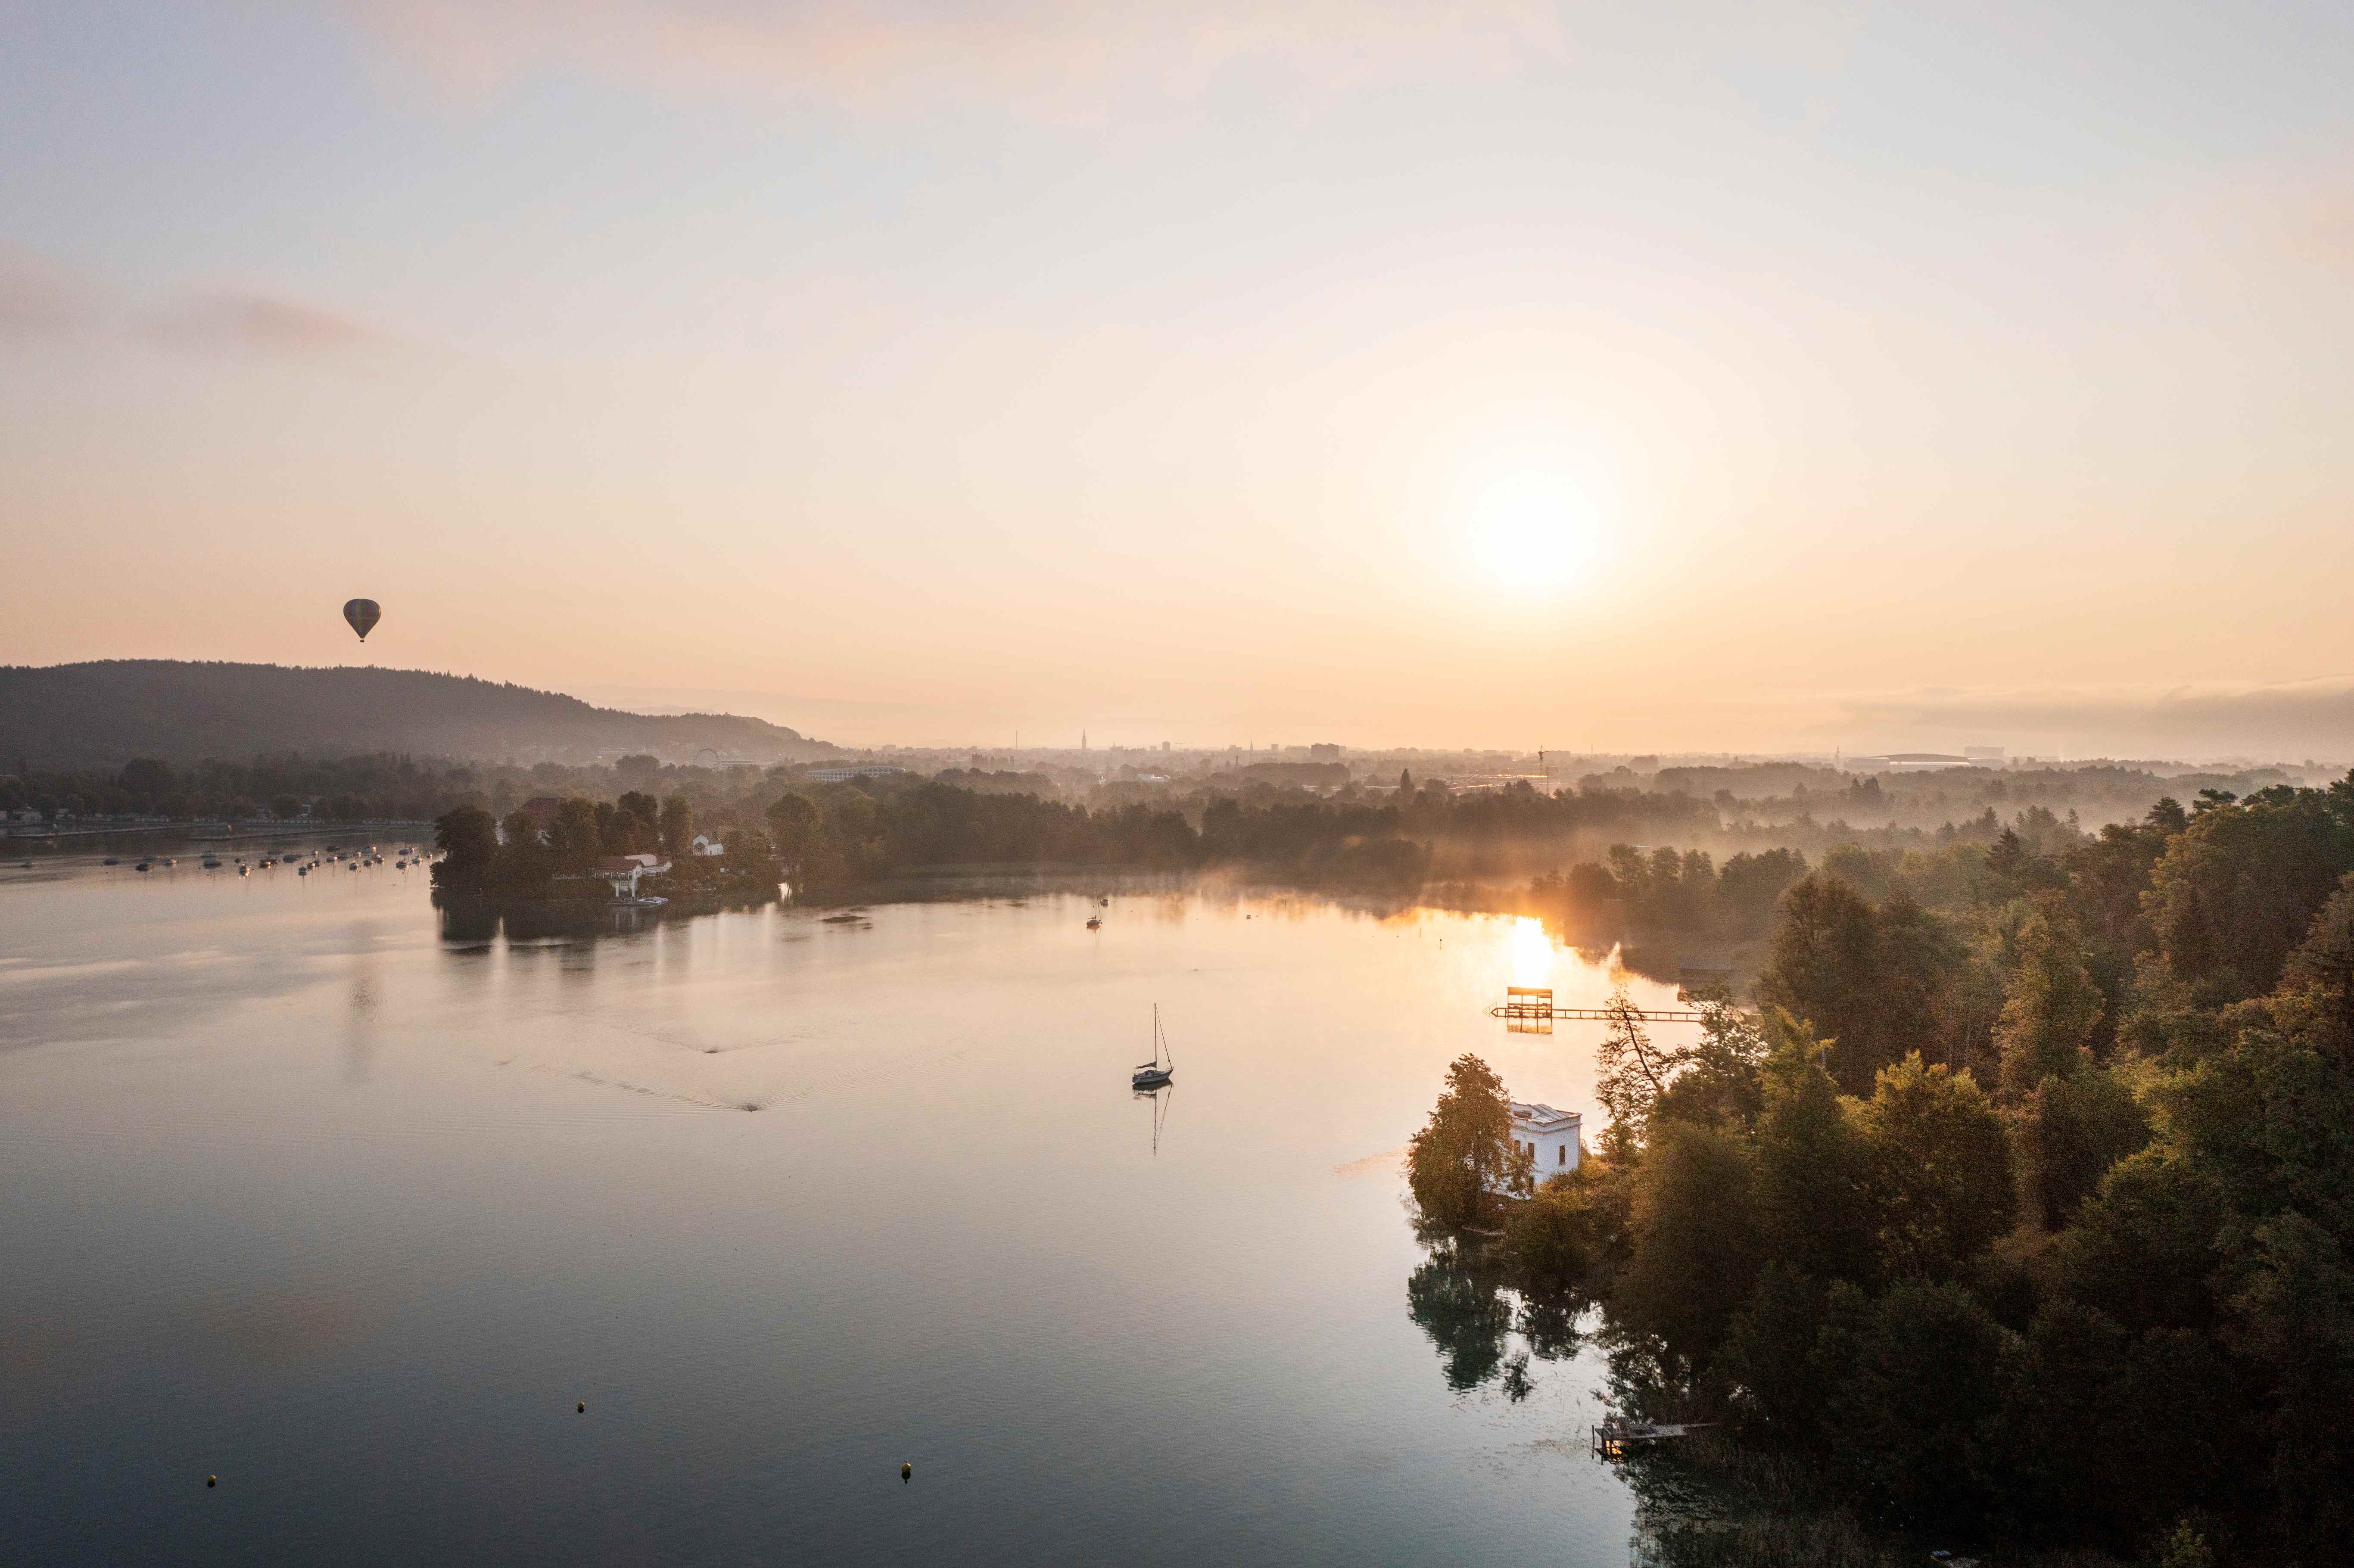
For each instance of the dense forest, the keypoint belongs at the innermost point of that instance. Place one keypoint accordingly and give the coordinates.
(104, 715)
(2022, 1209)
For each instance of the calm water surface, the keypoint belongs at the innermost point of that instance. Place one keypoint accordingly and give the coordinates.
(298, 1189)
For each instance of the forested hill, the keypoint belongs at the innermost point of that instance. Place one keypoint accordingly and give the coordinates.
(104, 714)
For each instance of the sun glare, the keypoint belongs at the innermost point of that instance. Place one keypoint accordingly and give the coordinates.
(1533, 531)
(1531, 952)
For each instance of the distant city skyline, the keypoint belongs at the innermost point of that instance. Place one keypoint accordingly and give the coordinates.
(1508, 373)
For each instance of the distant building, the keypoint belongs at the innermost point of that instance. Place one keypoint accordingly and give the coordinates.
(1983, 753)
(1905, 762)
(1324, 753)
(705, 844)
(539, 811)
(1552, 1137)
(844, 773)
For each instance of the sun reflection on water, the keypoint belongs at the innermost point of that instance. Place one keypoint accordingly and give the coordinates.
(1531, 952)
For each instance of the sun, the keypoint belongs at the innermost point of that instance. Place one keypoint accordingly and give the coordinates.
(1533, 531)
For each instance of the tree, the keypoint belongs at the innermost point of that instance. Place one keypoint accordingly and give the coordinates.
(2325, 961)
(1630, 1075)
(2049, 1009)
(1749, 885)
(1466, 1149)
(640, 821)
(2238, 889)
(575, 839)
(1915, 959)
(2297, 1312)
(468, 842)
(792, 825)
(2187, 1547)
(148, 778)
(2071, 1129)
(1919, 1417)
(1941, 1181)
(1824, 968)
(1697, 1243)
(1875, 984)
(676, 826)
(1717, 1083)
(1558, 1236)
(1787, 1347)
(1815, 1168)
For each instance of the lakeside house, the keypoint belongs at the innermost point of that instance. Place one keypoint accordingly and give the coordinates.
(1552, 1137)
(624, 869)
(706, 844)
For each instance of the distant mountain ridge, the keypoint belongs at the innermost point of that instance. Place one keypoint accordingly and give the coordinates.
(103, 713)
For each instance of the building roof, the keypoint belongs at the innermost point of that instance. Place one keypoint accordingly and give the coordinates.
(542, 808)
(1539, 1118)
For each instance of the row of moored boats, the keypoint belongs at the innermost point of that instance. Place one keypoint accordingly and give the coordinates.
(333, 854)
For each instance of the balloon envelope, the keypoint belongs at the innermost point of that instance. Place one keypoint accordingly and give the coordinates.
(362, 614)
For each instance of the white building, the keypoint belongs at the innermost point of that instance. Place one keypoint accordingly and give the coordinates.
(1550, 1136)
(623, 870)
(706, 844)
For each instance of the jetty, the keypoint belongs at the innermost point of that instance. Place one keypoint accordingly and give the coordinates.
(1613, 1434)
(1530, 1008)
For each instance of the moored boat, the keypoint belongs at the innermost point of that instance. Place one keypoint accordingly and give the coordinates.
(1153, 1074)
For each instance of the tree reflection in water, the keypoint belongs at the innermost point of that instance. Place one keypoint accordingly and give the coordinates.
(1461, 1295)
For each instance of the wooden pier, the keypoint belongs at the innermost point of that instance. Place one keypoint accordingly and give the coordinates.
(1529, 1010)
(1613, 1434)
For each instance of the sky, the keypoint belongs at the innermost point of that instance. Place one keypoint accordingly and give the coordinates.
(1689, 375)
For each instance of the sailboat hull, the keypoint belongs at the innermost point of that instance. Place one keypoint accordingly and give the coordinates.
(1152, 1078)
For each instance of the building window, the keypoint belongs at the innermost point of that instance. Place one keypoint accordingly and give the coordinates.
(1565, 1154)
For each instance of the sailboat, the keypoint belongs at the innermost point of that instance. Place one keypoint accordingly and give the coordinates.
(1153, 1073)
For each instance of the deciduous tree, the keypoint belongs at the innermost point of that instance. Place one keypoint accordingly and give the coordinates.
(1466, 1149)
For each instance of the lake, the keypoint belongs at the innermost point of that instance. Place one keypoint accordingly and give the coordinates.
(305, 1191)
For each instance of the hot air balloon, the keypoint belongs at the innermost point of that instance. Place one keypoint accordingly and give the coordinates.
(363, 613)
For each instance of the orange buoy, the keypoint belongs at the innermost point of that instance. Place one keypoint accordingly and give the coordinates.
(212, 1480)
(907, 1471)
(581, 1408)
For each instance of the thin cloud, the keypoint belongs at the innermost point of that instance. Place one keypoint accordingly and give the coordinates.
(257, 324)
(1044, 51)
(37, 301)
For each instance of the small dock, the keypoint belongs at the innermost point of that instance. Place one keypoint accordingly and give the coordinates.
(1614, 1433)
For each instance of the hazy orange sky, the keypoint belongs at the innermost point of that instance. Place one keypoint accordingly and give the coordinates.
(1494, 374)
